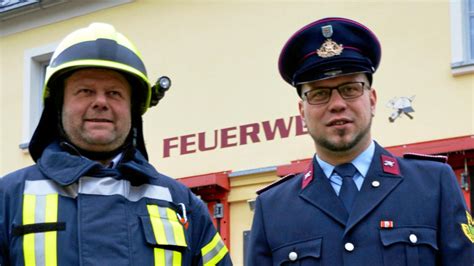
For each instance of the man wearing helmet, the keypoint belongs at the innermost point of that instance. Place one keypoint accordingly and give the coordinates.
(92, 198)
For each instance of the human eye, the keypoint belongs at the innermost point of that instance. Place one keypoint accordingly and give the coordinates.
(114, 93)
(350, 89)
(317, 96)
(117, 93)
(84, 91)
(319, 93)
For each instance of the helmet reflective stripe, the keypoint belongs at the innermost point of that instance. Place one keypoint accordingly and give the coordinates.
(40, 249)
(100, 49)
(101, 46)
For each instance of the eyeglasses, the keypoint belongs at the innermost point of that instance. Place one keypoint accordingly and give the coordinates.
(321, 95)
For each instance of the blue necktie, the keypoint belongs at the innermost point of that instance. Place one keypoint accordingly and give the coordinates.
(348, 188)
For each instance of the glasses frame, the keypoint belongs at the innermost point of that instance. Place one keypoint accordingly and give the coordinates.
(338, 88)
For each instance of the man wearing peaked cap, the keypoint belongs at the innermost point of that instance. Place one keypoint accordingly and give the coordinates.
(356, 204)
(92, 198)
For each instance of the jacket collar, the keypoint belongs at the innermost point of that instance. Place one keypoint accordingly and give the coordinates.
(318, 191)
(66, 168)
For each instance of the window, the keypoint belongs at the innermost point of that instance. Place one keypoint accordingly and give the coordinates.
(8, 5)
(462, 36)
(35, 60)
(470, 17)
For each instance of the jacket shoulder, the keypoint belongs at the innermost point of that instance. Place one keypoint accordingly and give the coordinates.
(425, 157)
(277, 183)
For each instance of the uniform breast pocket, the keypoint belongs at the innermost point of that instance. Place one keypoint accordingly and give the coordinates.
(415, 246)
(307, 252)
(165, 234)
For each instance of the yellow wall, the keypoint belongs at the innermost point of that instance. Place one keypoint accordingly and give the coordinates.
(243, 189)
(222, 57)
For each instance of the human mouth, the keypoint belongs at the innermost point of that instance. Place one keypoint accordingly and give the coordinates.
(98, 120)
(338, 122)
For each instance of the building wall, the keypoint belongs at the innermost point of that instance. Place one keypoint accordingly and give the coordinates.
(222, 58)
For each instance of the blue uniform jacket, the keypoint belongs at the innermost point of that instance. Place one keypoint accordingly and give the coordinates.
(69, 210)
(408, 212)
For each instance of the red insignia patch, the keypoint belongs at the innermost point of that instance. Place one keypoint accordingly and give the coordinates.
(390, 165)
(308, 176)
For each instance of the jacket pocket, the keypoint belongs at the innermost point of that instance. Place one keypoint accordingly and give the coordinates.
(415, 245)
(165, 234)
(306, 252)
(163, 228)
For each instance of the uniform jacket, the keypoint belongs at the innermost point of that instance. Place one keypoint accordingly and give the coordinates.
(408, 212)
(69, 210)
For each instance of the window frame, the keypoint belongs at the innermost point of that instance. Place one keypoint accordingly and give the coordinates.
(462, 62)
(35, 62)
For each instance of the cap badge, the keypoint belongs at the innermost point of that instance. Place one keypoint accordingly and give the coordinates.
(327, 31)
(329, 48)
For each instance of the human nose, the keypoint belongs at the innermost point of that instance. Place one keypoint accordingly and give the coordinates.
(336, 102)
(100, 101)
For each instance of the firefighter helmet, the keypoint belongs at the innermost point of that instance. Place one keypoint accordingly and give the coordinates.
(99, 45)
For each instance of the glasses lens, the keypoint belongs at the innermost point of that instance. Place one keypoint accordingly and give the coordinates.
(318, 96)
(351, 90)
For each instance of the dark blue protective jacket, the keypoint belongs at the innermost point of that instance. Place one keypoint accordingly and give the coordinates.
(69, 210)
(409, 212)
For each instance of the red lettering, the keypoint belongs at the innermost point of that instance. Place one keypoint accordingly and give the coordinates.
(249, 130)
(167, 146)
(279, 126)
(202, 141)
(226, 136)
(186, 142)
(301, 128)
(230, 137)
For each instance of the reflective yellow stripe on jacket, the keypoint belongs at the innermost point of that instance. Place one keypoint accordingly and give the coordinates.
(168, 231)
(214, 251)
(40, 249)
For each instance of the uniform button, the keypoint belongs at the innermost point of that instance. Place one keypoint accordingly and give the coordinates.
(349, 246)
(293, 256)
(375, 184)
(413, 238)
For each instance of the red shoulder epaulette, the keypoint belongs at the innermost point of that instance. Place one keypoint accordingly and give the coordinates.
(419, 156)
(275, 183)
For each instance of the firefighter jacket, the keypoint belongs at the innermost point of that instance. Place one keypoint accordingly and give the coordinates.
(69, 210)
(409, 212)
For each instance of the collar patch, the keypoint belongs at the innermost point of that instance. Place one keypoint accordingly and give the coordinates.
(390, 165)
(308, 176)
